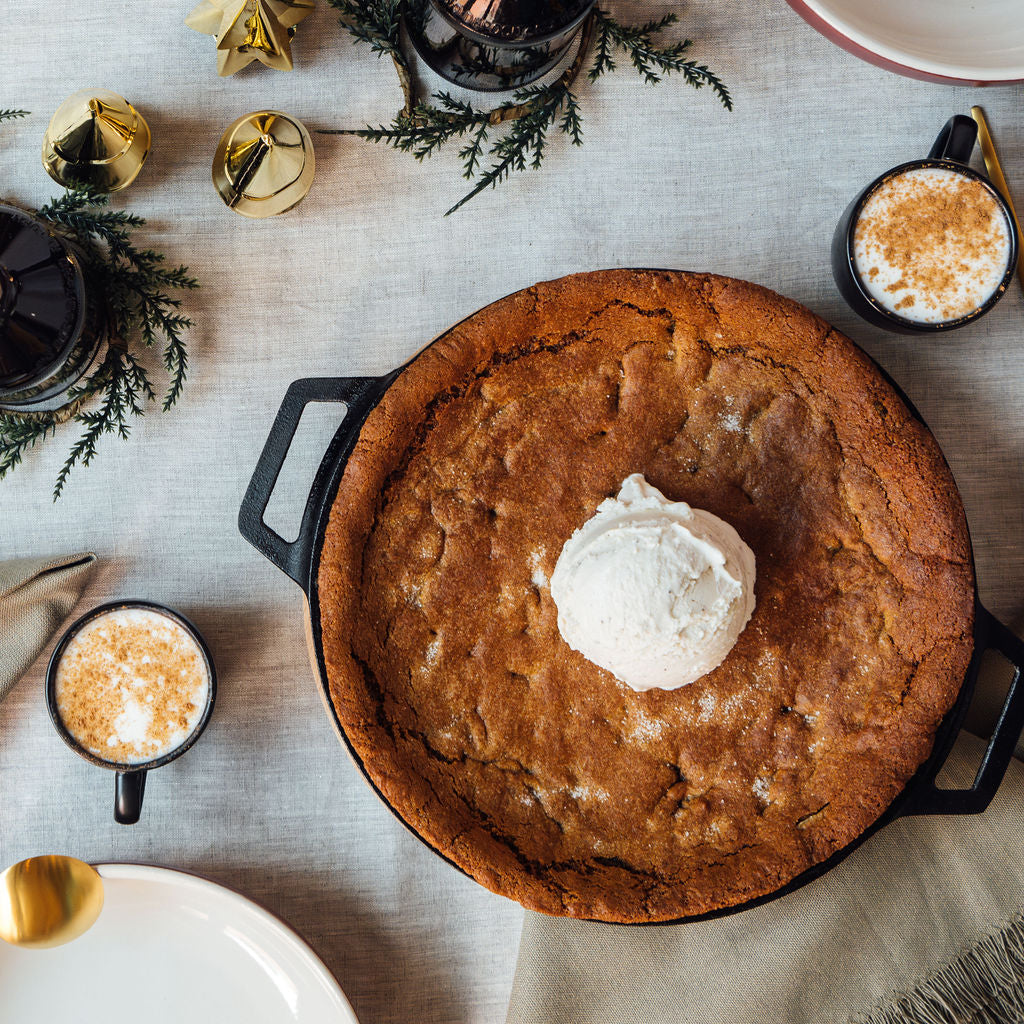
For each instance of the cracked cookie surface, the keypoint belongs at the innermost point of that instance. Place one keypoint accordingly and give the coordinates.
(534, 770)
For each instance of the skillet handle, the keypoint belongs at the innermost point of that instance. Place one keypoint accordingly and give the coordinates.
(990, 634)
(294, 558)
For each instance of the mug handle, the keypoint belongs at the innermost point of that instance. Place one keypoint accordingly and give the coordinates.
(956, 140)
(129, 788)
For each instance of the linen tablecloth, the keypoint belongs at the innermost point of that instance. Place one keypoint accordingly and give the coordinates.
(355, 280)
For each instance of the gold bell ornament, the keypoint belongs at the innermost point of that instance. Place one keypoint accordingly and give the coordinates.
(264, 164)
(96, 138)
(248, 30)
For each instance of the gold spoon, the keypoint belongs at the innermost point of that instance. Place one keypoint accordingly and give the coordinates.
(47, 901)
(995, 171)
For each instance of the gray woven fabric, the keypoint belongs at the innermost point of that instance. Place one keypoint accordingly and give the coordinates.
(354, 281)
(36, 596)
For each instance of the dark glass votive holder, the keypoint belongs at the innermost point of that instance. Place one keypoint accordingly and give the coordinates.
(49, 325)
(494, 45)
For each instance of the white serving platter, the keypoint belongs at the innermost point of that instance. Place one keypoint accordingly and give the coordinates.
(171, 947)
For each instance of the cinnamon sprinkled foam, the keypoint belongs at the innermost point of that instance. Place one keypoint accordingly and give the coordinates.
(132, 685)
(931, 245)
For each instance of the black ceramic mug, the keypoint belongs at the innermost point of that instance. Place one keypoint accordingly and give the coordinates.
(130, 782)
(951, 152)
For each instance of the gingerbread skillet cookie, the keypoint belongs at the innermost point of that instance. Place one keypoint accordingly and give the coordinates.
(541, 774)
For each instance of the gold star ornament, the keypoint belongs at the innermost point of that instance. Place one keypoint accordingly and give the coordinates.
(248, 30)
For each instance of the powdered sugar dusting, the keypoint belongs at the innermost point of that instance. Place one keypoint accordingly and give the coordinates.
(760, 788)
(731, 704)
(707, 705)
(712, 706)
(433, 651)
(538, 578)
(645, 727)
(731, 420)
(588, 793)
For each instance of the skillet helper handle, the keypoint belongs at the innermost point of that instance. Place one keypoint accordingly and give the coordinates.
(991, 634)
(294, 558)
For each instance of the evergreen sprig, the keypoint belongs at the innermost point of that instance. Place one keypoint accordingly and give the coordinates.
(535, 111)
(378, 23)
(524, 141)
(10, 115)
(375, 22)
(428, 127)
(650, 60)
(134, 286)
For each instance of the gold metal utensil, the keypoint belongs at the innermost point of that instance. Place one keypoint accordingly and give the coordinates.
(995, 172)
(264, 164)
(47, 901)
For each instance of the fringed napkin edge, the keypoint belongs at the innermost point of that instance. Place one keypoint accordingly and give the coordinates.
(984, 985)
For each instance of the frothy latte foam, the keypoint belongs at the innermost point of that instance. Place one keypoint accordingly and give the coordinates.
(132, 685)
(931, 245)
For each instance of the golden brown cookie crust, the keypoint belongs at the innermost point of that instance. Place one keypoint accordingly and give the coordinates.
(534, 770)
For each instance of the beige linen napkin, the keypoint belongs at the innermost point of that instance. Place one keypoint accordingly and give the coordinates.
(922, 923)
(36, 596)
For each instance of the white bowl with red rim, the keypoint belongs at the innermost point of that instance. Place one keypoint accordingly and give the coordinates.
(952, 41)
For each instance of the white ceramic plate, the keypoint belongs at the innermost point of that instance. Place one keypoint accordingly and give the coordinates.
(965, 40)
(170, 948)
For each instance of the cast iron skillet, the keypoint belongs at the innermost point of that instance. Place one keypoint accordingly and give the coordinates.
(301, 561)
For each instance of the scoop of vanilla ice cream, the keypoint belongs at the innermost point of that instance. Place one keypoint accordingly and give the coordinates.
(652, 590)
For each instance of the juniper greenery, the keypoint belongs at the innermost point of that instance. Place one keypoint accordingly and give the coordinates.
(139, 307)
(490, 154)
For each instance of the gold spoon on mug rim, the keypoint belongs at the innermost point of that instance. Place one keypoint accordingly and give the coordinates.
(995, 172)
(47, 901)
